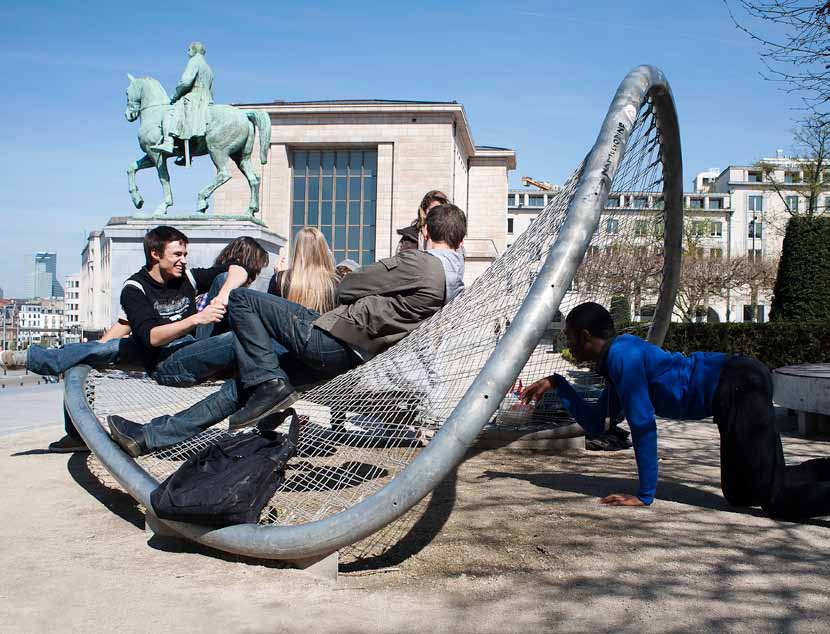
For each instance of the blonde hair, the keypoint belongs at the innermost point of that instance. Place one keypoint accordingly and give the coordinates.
(311, 278)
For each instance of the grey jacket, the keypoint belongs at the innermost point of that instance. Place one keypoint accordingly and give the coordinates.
(382, 303)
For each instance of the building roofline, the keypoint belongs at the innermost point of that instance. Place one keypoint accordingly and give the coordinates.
(385, 106)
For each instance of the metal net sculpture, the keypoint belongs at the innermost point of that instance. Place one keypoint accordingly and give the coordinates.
(380, 437)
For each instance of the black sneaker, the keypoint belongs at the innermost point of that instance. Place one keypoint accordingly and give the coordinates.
(68, 444)
(128, 435)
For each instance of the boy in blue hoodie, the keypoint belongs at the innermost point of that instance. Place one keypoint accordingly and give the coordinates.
(644, 381)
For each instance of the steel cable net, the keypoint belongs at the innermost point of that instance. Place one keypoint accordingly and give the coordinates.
(364, 427)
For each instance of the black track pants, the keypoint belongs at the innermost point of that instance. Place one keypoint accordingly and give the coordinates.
(753, 471)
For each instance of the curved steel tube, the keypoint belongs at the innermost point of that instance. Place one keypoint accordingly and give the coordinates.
(460, 430)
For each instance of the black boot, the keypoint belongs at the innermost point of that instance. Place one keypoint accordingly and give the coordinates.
(266, 399)
(128, 435)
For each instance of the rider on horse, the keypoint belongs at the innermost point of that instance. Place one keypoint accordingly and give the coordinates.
(188, 118)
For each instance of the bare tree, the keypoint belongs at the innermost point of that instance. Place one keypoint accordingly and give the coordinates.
(703, 277)
(808, 169)
(757, 273)
(800, 57)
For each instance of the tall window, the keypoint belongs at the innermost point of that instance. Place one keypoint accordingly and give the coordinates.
(755, 204)
(510, 225)
(613, 202)
(612, 226)
(535, 201)
(756, 229)
(336, 191)
(696, 203)
(716, 203)
(792, 203)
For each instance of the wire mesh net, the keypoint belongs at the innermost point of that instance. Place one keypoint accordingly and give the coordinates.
(364, 427)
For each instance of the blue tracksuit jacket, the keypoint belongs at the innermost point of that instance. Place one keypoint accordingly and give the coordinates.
(644, 381)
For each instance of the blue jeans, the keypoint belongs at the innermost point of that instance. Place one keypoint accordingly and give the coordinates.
(259, 319)
(54, 361)
(284, 344)
(169, 429)
(188, 361)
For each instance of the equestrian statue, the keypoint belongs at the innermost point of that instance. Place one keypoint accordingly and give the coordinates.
(190, 124)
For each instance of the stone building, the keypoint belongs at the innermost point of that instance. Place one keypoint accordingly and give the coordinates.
(358, 170)
(72, 308)
(732, 213)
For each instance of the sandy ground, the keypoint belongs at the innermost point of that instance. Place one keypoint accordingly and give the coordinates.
(512, 542)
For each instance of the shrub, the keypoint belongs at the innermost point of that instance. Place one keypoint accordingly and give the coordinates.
(776, 343)
(802, 287)
(620, 311)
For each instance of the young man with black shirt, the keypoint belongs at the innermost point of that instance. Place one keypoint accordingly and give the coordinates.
(278, 340)
(160, 304)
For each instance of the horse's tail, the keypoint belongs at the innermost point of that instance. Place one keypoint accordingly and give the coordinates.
(262, 122)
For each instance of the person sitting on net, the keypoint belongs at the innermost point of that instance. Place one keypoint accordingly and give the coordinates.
(117, 349)
(279, 339)
(644, 381)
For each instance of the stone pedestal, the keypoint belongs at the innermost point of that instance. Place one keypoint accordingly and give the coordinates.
(121, 251)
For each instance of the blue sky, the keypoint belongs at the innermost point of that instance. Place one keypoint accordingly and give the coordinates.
(533, 76)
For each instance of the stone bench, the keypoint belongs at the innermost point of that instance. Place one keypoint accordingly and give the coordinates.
(805, 389)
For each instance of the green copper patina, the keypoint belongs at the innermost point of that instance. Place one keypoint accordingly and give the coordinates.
(192, 124)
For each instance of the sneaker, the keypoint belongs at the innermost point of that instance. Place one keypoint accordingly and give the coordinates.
(13, 359)
(68, 444)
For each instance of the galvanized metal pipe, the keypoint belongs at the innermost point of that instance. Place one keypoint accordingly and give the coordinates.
(511, 354)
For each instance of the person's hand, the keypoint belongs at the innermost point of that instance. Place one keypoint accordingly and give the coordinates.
(221, 299)
(281, 265)
(622, 499)
(534, 391)
(210, 314)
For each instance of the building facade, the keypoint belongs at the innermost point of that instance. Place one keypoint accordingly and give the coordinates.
(358, 170)
(40, 321)
(9, 309)
(734, 214)
(72, 308)
(40, 275)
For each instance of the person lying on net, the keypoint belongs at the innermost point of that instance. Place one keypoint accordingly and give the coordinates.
(377, 306)
(116, 347)
(644, 381)
(242, 259)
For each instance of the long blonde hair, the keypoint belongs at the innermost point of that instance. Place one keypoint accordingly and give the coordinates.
(311, 278)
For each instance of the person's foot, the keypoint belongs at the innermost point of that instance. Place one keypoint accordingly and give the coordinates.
(13, 359)
(128, 435)
(68, 444)
(266, 399)
(165, 146)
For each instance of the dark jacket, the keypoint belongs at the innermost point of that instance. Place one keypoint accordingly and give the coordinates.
(382, 303)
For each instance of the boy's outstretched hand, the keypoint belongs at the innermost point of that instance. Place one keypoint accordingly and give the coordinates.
(534, 391)
(622, 499)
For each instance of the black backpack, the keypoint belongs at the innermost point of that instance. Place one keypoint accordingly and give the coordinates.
(229, 482)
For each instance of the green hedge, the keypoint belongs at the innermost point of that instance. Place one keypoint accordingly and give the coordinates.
(802, 287)
(776, 343)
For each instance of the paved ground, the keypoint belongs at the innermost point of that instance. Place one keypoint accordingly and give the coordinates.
(512, 542)
(31, 406)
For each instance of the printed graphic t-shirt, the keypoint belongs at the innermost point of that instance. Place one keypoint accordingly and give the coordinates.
(148, 303)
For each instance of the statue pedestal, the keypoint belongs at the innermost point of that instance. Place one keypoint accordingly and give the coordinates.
(115, 253)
